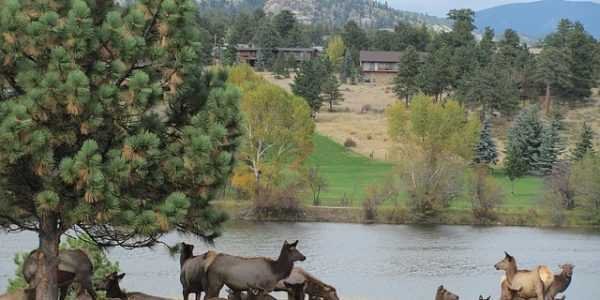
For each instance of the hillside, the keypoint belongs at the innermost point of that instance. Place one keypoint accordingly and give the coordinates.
(368, 13)
(537, 19)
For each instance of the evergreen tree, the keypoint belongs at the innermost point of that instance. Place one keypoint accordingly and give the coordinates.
(331, 91)
(509, 47)
(485, 150)
(491, 88)
(405, 82)
(355, 39)
(552, 70)
(308, 83)
(230, 52)
(487, 47)
(437, 73)
(81, 143)
(280, 69)
(579, 46)
(585, 144)
(525, 139)
(550, 149)
(284, 23)
(347, 70)
(266, 40)
(514, 165)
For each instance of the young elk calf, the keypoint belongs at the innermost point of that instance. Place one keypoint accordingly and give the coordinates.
(110, 284)
(443, 294)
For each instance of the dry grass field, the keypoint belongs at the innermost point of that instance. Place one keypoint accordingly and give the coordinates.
(369, 129)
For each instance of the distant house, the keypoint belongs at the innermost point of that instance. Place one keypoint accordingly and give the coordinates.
(379, 61)
(248, 54)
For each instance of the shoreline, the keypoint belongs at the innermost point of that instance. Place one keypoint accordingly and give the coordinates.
(386, 215)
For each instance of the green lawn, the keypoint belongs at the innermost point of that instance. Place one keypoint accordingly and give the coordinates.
(348, 173)
(528, 192)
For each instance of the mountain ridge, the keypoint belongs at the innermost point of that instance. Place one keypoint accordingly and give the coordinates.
(539, 18)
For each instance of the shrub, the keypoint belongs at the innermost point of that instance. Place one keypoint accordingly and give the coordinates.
(316, 183)
(349, 143)
(278, 202)
(430, 187)
(485, 195)
(373, 199)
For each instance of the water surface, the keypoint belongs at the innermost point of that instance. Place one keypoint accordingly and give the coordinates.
(375, 262)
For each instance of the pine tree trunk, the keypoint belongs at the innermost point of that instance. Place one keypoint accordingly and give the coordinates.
(547, 99)
(47, 269)
(406, 99)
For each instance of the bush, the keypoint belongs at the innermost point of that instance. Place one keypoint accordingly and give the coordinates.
(430, 186)
(278, 202)
(373, 199)
(485, 195)
(316, 183)
(349, 143)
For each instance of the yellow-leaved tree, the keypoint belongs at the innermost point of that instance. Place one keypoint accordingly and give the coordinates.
(436, 139)
(335, 50)
(278, 127)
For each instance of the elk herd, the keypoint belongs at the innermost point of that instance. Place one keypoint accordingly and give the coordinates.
(255, 278)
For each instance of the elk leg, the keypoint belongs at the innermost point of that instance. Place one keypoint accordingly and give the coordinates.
(63, 292)
(539, 290)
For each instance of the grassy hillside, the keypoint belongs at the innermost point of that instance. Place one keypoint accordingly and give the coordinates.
(349, 174)
(346, 172)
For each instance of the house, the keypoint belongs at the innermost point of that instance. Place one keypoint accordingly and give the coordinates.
(382, 65)
(379, 61)
(248, 54)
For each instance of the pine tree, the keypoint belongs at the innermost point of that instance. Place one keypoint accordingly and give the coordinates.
(552, 70)
(550, 149)
(266, 39)
(113, 127)
(485, 150)
(347, 70)
(585, 144)
(280, 69)
(525, 139)
(405, 82)
(487, 47)
(331, 91)
(490, 88)
(308, 82)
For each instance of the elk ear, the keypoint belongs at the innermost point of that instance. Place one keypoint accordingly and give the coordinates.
(294, 244)
(441, 287)
(285, 243)
(121, 276)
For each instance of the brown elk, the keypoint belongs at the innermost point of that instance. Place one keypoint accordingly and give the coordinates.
(523, 283)
(240, 273)
(193, 270)
(561, 281)
(444, 294)
(110, 284)
(313, 287)
(73, 266)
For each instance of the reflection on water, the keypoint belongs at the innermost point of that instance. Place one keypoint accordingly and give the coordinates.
(372, 262)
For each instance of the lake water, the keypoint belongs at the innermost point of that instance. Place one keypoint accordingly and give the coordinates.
(375, 262)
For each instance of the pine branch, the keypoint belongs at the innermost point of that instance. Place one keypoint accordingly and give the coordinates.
(146, 34)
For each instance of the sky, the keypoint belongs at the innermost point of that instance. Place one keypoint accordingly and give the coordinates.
(441, 7)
